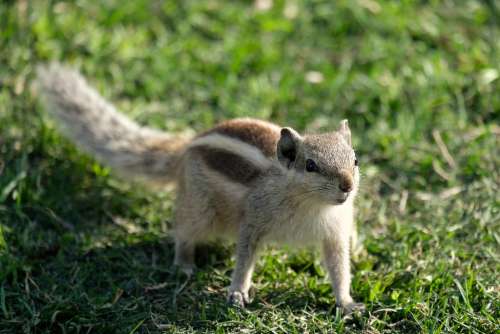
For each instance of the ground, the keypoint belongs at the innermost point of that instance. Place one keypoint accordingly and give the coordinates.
(85, 251)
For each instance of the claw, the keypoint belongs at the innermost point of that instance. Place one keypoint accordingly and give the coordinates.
(238, 299)
(352, 307)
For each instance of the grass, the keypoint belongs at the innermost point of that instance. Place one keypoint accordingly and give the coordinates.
(83, 251)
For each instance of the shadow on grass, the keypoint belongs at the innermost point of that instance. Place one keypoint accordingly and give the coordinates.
(78, 290)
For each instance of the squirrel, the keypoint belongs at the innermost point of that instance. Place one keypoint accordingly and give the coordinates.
(246, 179)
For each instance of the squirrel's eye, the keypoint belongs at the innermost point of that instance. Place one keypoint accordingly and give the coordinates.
(311, 166)
(355, 162)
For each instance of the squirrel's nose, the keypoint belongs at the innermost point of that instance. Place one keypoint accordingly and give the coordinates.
(346, 182)
(345, 187)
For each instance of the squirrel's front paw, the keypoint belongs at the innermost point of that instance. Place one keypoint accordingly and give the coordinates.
(352, 307)
(238, 298)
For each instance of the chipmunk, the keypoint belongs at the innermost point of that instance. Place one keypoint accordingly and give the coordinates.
(245, 178)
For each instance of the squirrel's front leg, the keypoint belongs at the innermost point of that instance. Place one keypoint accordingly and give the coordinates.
(242, 276)
(336, 257)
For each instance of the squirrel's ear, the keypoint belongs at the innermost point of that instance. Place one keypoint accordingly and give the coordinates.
(288, 146)
(345, 131)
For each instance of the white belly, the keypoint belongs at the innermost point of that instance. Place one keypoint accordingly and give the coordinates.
(310, 224)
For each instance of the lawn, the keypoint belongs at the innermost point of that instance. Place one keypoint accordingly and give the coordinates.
(84, 251)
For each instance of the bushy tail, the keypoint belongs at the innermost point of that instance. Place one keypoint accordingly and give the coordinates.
(96, 126)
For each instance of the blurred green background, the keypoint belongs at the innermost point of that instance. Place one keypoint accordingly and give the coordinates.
(82, 250)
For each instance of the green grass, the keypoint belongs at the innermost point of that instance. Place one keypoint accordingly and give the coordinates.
(82, 251)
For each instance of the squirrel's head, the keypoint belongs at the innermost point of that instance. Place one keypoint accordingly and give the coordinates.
(325, 165)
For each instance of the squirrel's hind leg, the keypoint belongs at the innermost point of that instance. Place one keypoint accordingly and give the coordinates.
(193, 219)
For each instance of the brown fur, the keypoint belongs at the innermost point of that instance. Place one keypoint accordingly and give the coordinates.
(261, 134)
(233, 166)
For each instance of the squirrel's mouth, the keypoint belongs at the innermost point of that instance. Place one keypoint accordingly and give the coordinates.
(342, 199)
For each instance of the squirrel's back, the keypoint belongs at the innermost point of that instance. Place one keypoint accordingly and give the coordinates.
(240, 150)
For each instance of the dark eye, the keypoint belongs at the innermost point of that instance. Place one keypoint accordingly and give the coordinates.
(311, 166)
(355, 162)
